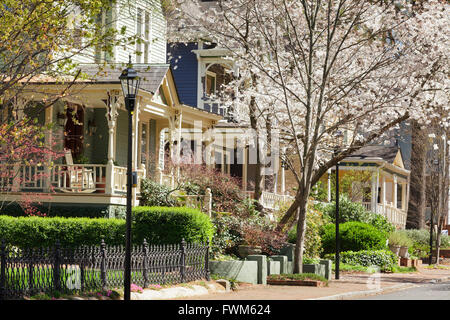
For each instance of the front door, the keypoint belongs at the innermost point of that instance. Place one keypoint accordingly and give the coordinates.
(73, 131)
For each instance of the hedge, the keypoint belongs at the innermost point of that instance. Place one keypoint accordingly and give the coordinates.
(71, 232)
(354, 236)
(156, 224)
(367, 258)
(162, 225)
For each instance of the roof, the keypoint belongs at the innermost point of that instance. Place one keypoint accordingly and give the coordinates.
(151, 75)
(387, 153)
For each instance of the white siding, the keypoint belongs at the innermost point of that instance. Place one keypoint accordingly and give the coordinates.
(127, 14)
(124, 14)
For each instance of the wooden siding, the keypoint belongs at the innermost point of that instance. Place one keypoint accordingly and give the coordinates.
(185, 71)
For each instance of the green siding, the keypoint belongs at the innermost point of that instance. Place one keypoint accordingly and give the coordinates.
(122, 138)
(100, 143)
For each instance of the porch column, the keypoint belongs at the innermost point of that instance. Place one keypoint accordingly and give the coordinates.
(395, 192)
(135, 135)
(209, 139)
(111, 115)
(245, 170)
(383, 191)
(404, 186)
(329, 185)
(374, 189)
(48, 143)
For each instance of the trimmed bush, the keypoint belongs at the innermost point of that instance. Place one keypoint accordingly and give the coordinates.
(355, 236)
(156, 224)
(355, 211)
(381, 258)
(71, 232)
(164, 225)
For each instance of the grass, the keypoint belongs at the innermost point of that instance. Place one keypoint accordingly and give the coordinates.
(297, 276)
(357, 268)
(434, 266)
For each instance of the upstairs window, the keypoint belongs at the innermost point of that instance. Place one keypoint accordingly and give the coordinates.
(210, 88)
(143, 31)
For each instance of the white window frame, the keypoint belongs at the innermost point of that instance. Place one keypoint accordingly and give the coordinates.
(144, 32)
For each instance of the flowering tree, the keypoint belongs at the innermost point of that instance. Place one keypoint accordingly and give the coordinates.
(322, 67)
(40, 42)
(22, 143)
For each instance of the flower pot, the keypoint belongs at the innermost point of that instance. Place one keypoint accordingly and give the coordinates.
(395, 248)
(246, 250)
(403, 252)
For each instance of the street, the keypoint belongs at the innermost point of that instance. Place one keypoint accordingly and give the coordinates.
(433, 291)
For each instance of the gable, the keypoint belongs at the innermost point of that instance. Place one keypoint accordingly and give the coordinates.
(398, 160)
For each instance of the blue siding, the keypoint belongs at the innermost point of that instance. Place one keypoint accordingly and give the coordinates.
(185, 71)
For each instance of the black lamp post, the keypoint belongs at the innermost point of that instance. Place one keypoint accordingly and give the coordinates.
(130, 85)
(339, 136)
(436, 169)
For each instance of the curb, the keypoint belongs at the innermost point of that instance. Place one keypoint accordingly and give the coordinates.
(363, 293)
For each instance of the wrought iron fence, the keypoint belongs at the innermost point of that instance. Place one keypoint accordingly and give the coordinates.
(88, 268)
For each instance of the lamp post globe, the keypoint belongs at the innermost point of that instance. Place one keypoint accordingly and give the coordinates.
(130, 82)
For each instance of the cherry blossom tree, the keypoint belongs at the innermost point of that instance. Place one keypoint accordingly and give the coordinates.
(323, 67)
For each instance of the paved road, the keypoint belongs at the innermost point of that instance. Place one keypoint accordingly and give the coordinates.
(434, 291)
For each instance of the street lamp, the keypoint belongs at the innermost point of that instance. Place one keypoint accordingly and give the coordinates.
(130, 85)
(436, 169)
(339, 137)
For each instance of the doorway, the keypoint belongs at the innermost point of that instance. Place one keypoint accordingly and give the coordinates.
(73, 130)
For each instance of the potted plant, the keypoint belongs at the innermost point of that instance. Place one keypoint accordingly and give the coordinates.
(395, 240)
(404, 245)
(399, 243)
(251, 243)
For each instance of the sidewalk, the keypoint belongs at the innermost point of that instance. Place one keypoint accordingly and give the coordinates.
(350, 285)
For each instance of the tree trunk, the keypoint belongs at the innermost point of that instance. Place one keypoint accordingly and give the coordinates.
(417, 199)
(300, 243)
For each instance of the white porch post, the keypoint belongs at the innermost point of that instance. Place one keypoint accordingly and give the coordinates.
(395, 192)
(374, 190)
(111, 115)
(383, 191)
(329, 185)
(48, 143)
(404, 186)
(135, 135)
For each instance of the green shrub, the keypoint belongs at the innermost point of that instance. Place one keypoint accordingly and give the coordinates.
(156, 224)
(37, 231)
(354, 211)
(227, 235)
(64, 210)
(348, 211)
(315, 220)
(155, 194)
(355, 236)
(384, 259)
(400, 238)
(422, 237)
(169, 225)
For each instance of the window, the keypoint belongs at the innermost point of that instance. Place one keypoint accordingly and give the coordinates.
(105, 19)
(143, 31)
(210, 83)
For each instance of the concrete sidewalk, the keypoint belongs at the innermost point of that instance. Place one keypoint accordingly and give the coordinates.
(349, 286)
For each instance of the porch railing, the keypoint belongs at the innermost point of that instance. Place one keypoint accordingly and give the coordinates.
(76, 178)
(274, 201)
(396, 216)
